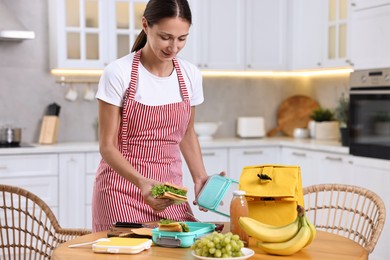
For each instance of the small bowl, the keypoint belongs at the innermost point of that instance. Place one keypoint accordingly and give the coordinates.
(206, 130)
(301, 133)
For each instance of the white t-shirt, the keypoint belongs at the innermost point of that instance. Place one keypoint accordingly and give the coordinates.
(151, 90)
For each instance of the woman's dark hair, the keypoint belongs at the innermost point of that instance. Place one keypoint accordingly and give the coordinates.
(157, 10)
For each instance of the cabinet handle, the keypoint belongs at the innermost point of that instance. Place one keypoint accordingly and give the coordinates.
(299, 154)
(330, 158)
(252, 152)
(349, 62)
(353, 4)
(208, 154)
(249, 66)
(319, 64)
(3, 167)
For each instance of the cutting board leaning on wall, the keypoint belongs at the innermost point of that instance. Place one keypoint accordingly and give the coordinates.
(294, 112)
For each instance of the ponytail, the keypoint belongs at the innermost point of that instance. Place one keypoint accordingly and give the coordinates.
(140, 42)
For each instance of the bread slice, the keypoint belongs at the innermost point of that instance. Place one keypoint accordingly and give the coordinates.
(171, 227)
(173, 196)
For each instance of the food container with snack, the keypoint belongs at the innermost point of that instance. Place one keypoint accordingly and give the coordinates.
(182, 239)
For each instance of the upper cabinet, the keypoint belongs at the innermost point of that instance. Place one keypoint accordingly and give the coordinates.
(320, 34)
(231, 34)
(266, 34)
(240, 34)
(370, 34)
(88, 34)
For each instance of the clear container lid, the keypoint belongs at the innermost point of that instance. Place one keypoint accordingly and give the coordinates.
(239, 193)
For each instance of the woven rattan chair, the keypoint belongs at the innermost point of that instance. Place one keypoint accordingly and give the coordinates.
(350, 211)
(28, 227)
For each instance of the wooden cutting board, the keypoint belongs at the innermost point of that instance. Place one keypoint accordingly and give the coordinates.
(294, 112)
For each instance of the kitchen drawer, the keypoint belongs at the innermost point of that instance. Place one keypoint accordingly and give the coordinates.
(45, 188)
(28, 165)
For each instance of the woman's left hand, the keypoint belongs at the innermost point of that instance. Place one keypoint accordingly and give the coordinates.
(199, 185)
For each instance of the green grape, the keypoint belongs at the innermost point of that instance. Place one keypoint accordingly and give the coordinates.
(218, 245)
(212, 250)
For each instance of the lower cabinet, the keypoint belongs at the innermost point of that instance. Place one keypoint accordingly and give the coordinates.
(77, 174)
(37, 173)
(91, 165)
(303, 158)
(72, 190)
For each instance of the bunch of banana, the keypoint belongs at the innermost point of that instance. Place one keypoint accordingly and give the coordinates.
(281, 240)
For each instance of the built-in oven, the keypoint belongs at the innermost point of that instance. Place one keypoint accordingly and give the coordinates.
(369, 130)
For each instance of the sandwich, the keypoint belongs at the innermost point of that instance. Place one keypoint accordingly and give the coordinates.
(170, 191)
(172, 226)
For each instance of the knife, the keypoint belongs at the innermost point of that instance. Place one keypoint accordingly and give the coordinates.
(120, 224)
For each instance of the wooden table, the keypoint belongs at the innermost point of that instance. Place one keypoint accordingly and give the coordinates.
(325, 246)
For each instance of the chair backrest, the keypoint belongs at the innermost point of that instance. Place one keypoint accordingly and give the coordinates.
(28, 227)
(350, 211)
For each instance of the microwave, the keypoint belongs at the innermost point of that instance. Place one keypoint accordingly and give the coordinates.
(369, 122)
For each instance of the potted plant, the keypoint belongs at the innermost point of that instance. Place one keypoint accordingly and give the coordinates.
(342, 115)
(325, 127)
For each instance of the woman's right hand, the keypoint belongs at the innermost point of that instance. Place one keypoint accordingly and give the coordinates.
(158, 205)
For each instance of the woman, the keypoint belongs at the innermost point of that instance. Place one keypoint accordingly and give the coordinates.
(147, 105)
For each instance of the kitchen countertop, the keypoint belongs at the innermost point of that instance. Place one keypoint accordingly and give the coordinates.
(74, 147)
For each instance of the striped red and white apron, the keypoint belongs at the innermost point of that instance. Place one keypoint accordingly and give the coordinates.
(149, 140)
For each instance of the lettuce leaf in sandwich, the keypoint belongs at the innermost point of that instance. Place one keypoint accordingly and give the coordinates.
(170, 191)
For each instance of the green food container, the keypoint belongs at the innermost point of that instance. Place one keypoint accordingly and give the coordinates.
(182, 239)
(216, 194)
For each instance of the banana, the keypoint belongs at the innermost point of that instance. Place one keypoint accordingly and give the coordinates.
(291, 246)
(313, 231)
(269, 233)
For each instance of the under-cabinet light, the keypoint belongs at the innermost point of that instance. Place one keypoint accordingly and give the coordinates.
(76, 72)
(224, 73)
(303, 73)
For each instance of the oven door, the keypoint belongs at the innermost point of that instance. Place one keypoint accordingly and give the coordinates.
(370, 122)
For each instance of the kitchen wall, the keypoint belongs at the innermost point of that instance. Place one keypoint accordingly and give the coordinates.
(27, 88)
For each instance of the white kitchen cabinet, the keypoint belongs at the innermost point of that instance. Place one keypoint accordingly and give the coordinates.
(266, 34)
(306, 160)
(76, 196)
(91, 166)
(337, 34)
(373, 174)
(319, 167)
(371, 36)
(215, 160)
(239, 35)
(72, 192)
(332, 167)
(220, 39)
(307, 36)
(88, 34)
(37, 173)
(320, 34)
(247, 156)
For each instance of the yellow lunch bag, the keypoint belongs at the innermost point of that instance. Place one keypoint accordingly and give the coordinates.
(273, 192)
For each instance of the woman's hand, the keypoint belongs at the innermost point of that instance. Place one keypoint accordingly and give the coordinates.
(199, 185)
(158, 205)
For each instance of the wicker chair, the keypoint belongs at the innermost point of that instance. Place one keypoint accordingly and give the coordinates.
(350, 211)
(28, 227)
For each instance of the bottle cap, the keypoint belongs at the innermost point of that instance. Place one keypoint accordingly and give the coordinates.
(239, 192)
